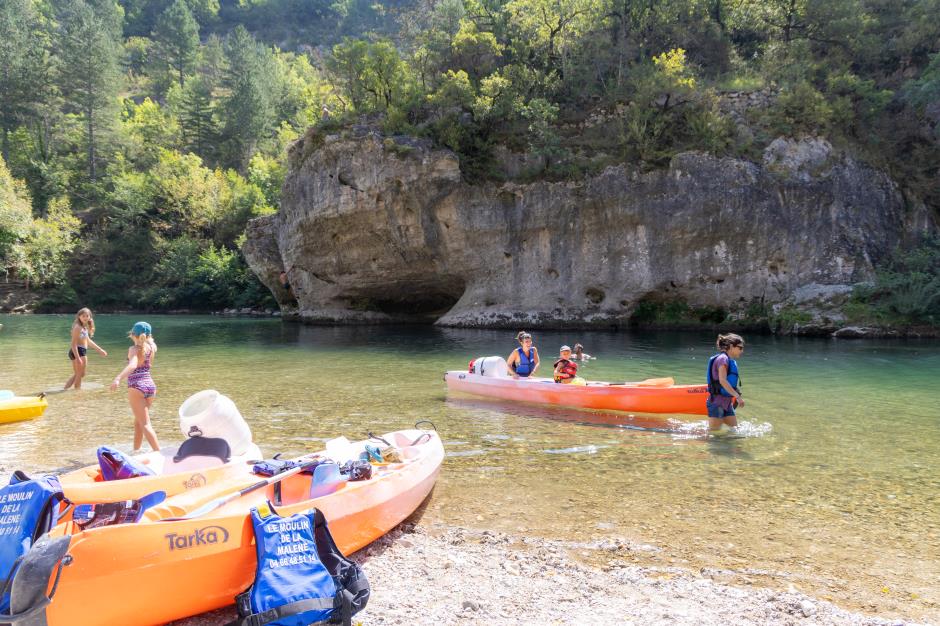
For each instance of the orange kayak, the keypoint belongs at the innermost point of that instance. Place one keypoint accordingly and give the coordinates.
(156, 571)
(657, 395)
(86, 485)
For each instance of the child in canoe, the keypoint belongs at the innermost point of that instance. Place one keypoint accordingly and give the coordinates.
(566, 370)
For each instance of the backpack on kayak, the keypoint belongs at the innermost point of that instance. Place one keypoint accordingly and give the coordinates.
(115, 465)
(29, 508)
(301, 576)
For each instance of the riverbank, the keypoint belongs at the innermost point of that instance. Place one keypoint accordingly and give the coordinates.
(748, 326)
(431, 573)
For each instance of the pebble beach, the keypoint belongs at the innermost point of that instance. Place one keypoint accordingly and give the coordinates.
(436, 574)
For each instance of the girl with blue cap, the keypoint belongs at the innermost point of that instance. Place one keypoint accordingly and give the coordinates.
(141, 389)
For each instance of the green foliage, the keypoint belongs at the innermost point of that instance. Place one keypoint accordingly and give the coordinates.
(373, 74)
(801, 109)
(196, 275)
(166, 145)
(35, 249)
(89, 54)
(16, 214)
(248, 111)
(675, 312)
(175, 44)
(907, 288)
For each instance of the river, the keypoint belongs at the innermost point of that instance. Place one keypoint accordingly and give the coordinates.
(834, 487)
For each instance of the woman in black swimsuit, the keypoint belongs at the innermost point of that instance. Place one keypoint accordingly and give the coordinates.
(83, 329)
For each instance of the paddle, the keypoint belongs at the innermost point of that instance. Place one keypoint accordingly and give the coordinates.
(88, 516)
(651, 382)
(223, 500)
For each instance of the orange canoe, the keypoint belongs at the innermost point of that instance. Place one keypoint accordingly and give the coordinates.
(86, 484)
(657, 395)
(156, 571)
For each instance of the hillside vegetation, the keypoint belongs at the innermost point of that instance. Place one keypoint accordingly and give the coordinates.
(138, 137)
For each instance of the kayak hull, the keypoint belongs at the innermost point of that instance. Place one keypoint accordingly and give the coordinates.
(18, 409)
(153, 572)
(632, 397)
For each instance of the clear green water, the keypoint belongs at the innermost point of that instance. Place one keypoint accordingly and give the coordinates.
(836, 490)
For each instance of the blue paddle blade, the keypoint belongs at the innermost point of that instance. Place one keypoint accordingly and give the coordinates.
(149, 500)
(88, 516)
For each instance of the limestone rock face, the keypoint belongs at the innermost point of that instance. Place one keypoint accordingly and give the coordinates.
(376, 229)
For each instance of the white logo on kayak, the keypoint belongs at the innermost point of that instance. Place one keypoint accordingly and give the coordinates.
(199, 537)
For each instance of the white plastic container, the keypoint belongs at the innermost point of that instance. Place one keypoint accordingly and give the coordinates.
(492, 366)
(211, 414)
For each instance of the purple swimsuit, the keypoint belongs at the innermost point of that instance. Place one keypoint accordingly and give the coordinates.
(140, 379)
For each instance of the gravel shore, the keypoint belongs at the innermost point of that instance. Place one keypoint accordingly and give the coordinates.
(435, 574)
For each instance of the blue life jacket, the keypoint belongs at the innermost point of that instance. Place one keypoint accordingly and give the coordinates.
(301, 577)
(526, 362)
(29, 507)
(714, 385)
(115, 465)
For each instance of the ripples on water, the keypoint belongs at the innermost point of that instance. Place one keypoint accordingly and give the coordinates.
(831, 476)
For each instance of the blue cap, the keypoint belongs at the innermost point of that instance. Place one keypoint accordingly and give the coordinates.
(141, 328)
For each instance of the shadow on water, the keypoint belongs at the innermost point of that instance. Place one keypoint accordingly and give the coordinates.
(689, 425)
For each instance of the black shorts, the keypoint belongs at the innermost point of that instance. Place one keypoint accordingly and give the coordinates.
(82, 351)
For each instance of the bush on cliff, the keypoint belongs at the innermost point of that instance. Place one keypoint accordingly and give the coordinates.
(907, 289)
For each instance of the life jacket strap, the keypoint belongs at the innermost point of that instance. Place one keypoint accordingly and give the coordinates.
(294, 608)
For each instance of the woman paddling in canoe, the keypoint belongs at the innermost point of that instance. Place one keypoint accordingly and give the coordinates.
(524, 360)
(723, 381)
(83, 329)
(141, 389)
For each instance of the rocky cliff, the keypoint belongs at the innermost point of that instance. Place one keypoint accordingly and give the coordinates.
(377, 229)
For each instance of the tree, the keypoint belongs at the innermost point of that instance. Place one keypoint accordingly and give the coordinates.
(16, 213)
(552, 26)
(89, 52)
(249, 109)
(176, 40)
(371, 71)
(195, 110)
(23, 61)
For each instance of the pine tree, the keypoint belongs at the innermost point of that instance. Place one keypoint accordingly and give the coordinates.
(197, 118)
(23, 59)
(176, 40)
(249, 109)
(89, 53)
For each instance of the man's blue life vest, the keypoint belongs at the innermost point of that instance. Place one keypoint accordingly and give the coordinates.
(714, 385)
(526, 362)
(301, 577)
(29, 507)
(115, 465)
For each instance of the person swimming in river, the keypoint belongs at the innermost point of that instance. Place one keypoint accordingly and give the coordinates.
(579, 353)
(566, 370)
(724, 382)
(83, 329)
(141, 389)
(524, 360)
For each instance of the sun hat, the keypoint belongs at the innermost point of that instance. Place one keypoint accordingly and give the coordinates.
(141, 328)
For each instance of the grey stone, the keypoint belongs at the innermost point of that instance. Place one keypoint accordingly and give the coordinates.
(406, 238)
